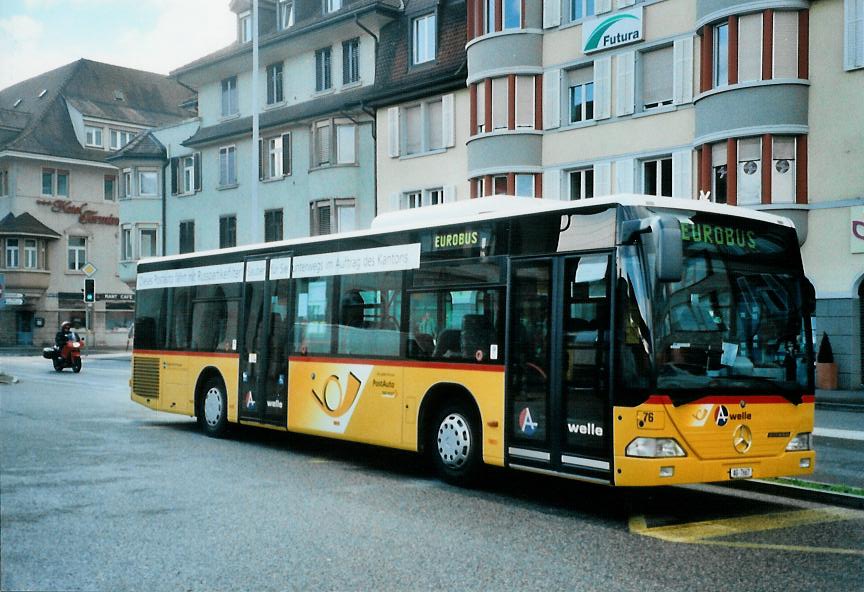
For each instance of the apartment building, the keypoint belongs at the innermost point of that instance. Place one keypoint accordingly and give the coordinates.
(59, 194)
(316, 151)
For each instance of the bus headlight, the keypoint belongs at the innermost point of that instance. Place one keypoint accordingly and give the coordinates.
(654, 448)
(799, 442)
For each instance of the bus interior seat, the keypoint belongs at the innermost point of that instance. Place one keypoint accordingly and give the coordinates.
(476, 334)
(448, 341)
(424, 344)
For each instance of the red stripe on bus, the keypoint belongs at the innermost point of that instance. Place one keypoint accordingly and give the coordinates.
(156, 352)
(729, 400)
(403, 363)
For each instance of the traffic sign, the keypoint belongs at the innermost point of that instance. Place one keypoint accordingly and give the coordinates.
(14, 295)
(89, 269)
(13, 301)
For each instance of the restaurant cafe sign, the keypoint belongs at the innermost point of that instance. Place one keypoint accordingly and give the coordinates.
(85, 216)
(605, 32)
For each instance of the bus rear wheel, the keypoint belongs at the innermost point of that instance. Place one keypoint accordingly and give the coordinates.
(454, 445)
(213, 412)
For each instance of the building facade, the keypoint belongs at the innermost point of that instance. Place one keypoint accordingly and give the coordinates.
(59, 217)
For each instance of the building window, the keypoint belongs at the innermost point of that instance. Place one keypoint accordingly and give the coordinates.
(512, 14)
(721, 55)
(188, 172)
(783, 170)
(322, 130)
(93, 136)
(110, 187)
(500, 103)
(581, 183)
(147, 242)
(276, 157)
(245, 22)
(344, 151)
(657, 78)
(351, 61)
(4, 183)
(720, 172)
(581, 94)
(525, 111)
(525, 185)
(274, 84)
(322, 70)
(499, 185)
(489, 14)
(63, 183)
(286, 14)
(413, 199)
(272, 226)
(750, 48)
(31, 257)
(126, 244)
(749, 189)
(346, 143)
(329, 216)
(423, 127)
(229, 97)
(423, 39)
(148, 183)
(481, 107)
(55, 182)
(419, 199)
(657, 177)
(853, 20)
(76, 253)
(120, 138)
(187, 236)
(47, 182)
(785, 44)
(579, 9)
(227, 166)
(127, 183)
(227, 231)
(332, 5)
(12, 253)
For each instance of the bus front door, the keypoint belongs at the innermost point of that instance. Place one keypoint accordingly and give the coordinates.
(264, 340)
(558, 404)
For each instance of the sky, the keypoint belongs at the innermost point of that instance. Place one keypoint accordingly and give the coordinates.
(155, 35)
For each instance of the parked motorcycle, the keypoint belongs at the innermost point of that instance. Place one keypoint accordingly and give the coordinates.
(69, 356)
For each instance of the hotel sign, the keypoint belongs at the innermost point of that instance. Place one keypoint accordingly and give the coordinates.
(85, 216)
(856, 229)
(606, 32)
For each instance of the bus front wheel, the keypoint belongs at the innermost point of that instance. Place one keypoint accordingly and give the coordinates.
(454, 445)
(213, 415)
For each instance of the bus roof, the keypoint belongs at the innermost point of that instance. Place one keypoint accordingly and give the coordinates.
(490, 208)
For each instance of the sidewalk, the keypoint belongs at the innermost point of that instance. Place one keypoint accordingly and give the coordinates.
(851, 400)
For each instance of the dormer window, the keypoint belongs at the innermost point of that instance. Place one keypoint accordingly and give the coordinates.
(245, 24)
(93, 136)
(332, 5)
(423, 39)
(119, 95)
(286, 14)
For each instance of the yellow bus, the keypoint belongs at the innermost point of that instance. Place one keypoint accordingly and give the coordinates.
(627, 340)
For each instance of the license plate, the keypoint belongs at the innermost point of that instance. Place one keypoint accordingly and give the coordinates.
(741, 473)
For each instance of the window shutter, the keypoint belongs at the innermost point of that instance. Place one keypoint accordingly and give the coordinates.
(785, 44)
(626, 3)
(196, 168)
(393, 132)
(448, 122)
(682, 174)
(603, 6)
(449, 193)
(602, 179)
(602, 90)
(261, 159)
(175, 165)
(552, 184)
(624, 175)
(551, 13)
(853, 24)
(551, 99)
(682, 85)
(750, 47)
(624, 97)
(286, 154)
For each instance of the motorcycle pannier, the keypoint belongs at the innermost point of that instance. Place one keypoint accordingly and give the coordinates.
(48, 353)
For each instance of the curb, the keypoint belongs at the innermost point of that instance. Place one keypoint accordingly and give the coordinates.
(845, 500)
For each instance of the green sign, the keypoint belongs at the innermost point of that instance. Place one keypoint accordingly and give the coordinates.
(714, 234)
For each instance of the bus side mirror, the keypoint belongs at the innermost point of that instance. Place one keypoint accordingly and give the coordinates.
(666, 235)
(808, 294)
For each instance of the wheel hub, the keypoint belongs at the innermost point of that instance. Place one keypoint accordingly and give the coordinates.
(454, 440)
(213, 407)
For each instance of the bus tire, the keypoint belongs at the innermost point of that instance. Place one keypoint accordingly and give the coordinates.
(213, 415)
(454, 443)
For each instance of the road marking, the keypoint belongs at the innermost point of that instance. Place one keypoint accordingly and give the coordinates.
(701, 533)
(841, 434)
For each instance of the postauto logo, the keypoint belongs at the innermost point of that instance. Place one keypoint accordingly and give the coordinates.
(618, 29)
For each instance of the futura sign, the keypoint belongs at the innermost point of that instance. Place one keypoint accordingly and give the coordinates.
(620, 28)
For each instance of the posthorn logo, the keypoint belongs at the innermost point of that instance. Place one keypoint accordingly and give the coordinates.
(619, 29)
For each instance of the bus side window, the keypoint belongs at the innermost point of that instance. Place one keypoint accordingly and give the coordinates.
(313, 321)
